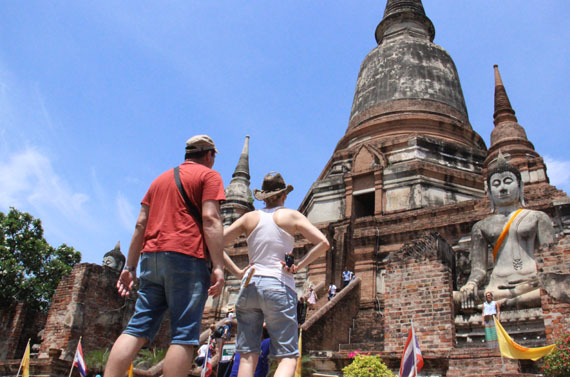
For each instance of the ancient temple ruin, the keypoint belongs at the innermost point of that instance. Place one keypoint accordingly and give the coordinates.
(397, 200)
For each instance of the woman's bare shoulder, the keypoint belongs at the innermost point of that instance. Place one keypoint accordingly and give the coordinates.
(250, 220)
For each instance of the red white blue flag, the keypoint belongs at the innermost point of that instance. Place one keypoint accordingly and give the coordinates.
(79, 361)
(412, 360)
(207, 366)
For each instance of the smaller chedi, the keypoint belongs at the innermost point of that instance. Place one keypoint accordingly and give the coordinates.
(114, 258)
(503, 244)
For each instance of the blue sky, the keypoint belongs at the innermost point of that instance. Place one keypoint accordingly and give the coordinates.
(97, 98)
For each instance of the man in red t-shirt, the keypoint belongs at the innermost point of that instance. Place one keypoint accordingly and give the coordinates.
(173, 249)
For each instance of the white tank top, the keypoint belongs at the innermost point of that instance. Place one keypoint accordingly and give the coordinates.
(489, 308)
(267, 245)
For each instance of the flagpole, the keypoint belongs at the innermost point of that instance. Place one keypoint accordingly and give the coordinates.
(22, 361)
(414, 349)
(73, 363)
(20, 367)
(205, 365)
(502, 359)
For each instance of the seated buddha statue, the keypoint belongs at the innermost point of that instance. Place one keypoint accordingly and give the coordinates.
(511, 234)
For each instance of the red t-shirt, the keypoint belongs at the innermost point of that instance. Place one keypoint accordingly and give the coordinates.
(170, 227)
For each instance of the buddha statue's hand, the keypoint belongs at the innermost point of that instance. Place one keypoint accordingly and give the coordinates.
(468, 295)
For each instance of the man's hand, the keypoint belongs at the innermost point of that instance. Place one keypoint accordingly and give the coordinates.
(125, 282)
(216, 282)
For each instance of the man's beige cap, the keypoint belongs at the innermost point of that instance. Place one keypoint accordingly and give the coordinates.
(200, 143)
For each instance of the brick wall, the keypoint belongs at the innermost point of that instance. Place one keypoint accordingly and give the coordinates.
(480, 362)
(368, 327)
(419, 288)
(86, 304)
(554, 261)
(11, 323)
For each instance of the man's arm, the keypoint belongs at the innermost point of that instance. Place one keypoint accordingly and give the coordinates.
(127, 278)
(213, 234)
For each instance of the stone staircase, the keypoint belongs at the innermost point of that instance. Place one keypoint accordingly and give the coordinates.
(333, 318)
(367, 331)
(321, 291)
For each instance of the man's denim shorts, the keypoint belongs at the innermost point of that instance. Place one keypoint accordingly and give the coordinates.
(176, 282)
(267, 299)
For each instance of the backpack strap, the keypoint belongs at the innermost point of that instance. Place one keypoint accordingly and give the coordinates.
(192, 210)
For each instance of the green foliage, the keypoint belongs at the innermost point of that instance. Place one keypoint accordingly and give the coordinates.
(96, 360)
(557, 363)
(307, 369)
(366, 366)
(148, 358)
(30, 269)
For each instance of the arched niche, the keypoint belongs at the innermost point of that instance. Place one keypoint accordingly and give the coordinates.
(364, 183)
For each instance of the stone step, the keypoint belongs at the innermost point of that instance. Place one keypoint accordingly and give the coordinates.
(363, 347)
(364, 336)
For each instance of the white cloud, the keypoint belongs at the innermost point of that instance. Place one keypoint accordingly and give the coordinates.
(559, 172)
(28, 179)
(126, 212)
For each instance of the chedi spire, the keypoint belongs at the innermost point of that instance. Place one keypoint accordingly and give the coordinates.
(510, 137)
(242, 168)
(239, 199)
(503, 109)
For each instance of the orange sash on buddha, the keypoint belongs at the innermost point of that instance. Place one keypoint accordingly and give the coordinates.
(504, 234)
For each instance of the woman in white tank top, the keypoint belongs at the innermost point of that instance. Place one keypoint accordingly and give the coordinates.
(490, 309)
(268, 285)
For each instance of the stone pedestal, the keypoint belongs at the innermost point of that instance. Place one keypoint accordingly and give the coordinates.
(480, 362)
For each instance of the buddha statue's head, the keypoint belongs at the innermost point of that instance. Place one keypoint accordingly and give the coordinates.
(114, 258)
(505, 185)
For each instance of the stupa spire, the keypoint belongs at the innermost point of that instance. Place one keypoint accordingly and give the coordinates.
(399, 16)
(510, 138)
(242, 168)
(238, 194)
(503, 109)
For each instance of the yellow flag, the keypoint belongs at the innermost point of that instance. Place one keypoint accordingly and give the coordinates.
(513, 350)
(26, 362)
(300, 359)
(130, 371)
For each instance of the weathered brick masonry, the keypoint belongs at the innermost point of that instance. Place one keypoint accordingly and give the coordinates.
(87, 304)
(419, 288)
(555, 261)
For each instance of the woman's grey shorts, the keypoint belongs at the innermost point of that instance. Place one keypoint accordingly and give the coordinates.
(267, 299)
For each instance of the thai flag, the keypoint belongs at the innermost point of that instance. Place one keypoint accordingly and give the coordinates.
(207, 366)
(412, 360)
(79, 361)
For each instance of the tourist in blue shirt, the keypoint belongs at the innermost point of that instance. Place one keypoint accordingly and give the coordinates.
(347, 276)
(262, 364)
